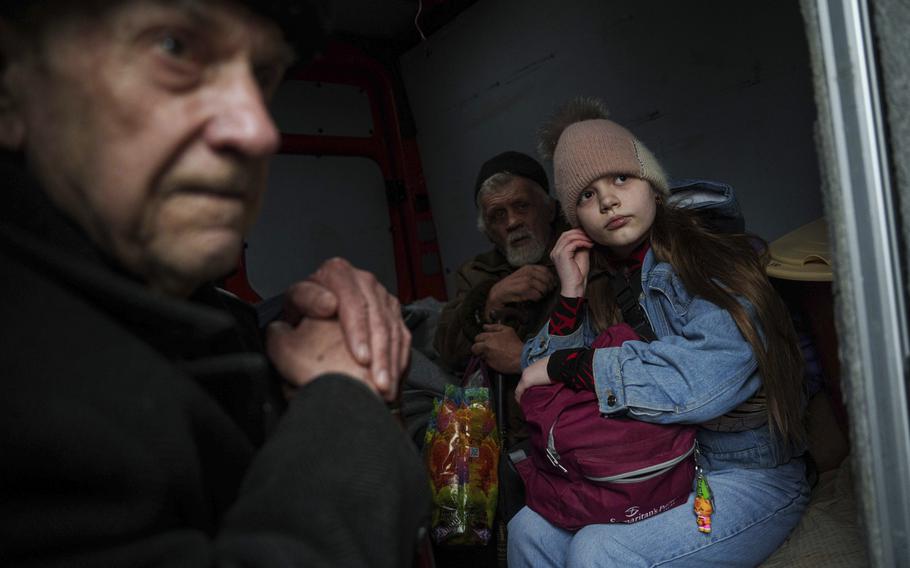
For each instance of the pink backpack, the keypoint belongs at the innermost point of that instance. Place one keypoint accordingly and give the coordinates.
(585, 468)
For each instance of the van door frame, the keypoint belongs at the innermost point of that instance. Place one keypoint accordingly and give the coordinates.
(871, 303)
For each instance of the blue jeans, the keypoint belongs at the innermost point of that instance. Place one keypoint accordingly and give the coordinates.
(755, 510)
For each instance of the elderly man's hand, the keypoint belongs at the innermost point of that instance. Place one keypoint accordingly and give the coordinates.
(534, 375)
(312, 348)
(370, 318)
(529, 283)
(500, 347)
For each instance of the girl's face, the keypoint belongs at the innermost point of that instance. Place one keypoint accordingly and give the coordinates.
(617, 212)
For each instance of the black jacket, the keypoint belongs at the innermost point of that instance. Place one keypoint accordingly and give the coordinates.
(138, 430)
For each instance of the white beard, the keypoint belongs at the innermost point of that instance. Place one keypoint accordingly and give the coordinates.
(528, 252)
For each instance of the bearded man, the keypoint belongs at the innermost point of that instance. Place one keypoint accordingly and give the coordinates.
(504, 296)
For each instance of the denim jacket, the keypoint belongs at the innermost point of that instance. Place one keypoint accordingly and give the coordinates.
(699, 367)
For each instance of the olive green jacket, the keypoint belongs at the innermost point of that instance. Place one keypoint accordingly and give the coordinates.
(462, 318)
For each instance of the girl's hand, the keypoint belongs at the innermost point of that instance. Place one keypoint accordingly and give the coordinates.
(535, 374)
(572, 257)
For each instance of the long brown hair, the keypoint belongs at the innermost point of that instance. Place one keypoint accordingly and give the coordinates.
(719, 268)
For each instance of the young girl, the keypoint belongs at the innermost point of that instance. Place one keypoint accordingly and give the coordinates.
(723, 354)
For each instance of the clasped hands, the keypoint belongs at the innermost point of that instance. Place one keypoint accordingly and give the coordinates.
(341, 320)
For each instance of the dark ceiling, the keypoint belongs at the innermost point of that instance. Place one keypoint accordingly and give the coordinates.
(393, 23)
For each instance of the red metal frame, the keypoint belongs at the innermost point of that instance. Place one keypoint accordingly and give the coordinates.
(398, 160)
(239, 284)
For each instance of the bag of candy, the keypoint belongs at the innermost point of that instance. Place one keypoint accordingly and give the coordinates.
(461, 450)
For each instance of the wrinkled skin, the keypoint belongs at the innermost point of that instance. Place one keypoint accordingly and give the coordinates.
(146, 124)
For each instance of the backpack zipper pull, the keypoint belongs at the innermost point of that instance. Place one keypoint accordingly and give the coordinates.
(554, 459)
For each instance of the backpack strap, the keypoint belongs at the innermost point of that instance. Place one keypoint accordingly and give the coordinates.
(626, 289)
(747, 416)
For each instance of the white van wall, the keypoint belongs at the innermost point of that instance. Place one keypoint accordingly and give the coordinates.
(716, 89)
(319, 207)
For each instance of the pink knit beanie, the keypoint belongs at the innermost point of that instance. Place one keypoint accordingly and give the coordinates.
(589, 147)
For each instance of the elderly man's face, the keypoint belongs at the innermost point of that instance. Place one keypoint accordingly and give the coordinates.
(148, 126)
(517, 217)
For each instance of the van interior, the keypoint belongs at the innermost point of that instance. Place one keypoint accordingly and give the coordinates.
(796, 105)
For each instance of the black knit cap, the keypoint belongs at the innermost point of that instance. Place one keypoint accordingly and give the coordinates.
(514, 163)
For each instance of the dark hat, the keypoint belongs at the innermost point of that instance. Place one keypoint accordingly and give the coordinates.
(303, 22)
(514, 163)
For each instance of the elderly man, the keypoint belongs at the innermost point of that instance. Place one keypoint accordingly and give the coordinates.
(503, 296)
(140, 423)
